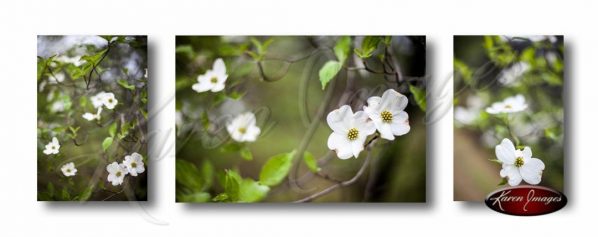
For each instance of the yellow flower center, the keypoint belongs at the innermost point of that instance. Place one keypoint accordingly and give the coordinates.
(214, 80)
(242, 130)
(519, 162)
(134, 165)
(110, 100)
(508, 107)
(353, 133)
(118, 174)
(386, 116)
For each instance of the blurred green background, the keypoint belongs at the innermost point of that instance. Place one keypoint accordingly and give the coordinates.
(121, 70)
(489, 69)
(285, 96)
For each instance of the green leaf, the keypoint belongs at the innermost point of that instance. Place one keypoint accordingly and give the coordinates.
(419, 95)
(95, 58)
(50, 189)
(107, 143)
(65, 195)
(194, 197)
(329, 71)
(342, 48)
(368, 46)
(311, 162)
(463, 70)
(125, 84)
(231, 147)
(221, 197)
(503, 181)
(188, 175)
(185, 50)
(112, 129)
(86, 194)
(496, 161)
(246, 153)
(232, 181)
(252, 191)
(276, 168)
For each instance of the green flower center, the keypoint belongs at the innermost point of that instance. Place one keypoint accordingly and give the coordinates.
(118, 174)
(353, 133)
(53, 147)
(134, 165)
(508, 106)
(519, 162)
(214, 80)
(243, 130)
(68, 170)
(386, 116)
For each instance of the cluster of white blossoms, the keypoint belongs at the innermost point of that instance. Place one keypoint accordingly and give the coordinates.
(100, 100)
(69, 169)
(509, 105)
(350, 130)
(52, 147)
(243, 128)
(132, 165)
(213, 80)
(518, 164)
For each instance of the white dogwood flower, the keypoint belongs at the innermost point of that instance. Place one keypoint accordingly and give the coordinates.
(104, 99)
(69, 169)
(89, 116)
(134, 164)
(242, 128)
(349, 131)
(213, 80)
(116, 173)
(387, 114)
(98, 99)
(52, 147)
(518, 164)
(509, 105)
(109, 101)
(56, 78)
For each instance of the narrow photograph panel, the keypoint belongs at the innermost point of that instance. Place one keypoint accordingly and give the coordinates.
(508, 113)
(92, 118)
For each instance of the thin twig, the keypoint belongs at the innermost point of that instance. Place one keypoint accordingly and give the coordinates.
(339, 184)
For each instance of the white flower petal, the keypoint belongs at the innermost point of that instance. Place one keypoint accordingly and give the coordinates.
(217, 87)
(89, 116)
(400, 127)
(219, 67)
(385, 131)
(340, 145)
(514, 179)
(393, 100)
(505, 152)
(356, 147)
(202, 86)
(339, 120)
(526, 153)
(531, 171)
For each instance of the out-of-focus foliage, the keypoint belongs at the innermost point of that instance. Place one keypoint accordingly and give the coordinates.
(71, 70)
(290, 84)
(489, 69)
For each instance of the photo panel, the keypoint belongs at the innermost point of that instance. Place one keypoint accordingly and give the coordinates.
(508, 113)
(92, 118)
(300, 119)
